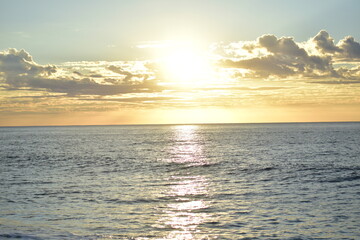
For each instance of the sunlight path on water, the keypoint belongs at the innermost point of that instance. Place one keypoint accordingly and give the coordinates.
(189, 193)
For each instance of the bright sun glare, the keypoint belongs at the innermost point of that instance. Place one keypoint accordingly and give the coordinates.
(186, 65)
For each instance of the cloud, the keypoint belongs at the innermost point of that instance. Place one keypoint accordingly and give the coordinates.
(86, 86)
(351, 74)
(324, 43)
(270, 56)
(128, 75)
(336, 82)
(129, 99)
(350, 48)
(19, 71)
(346, 48)
(284, 58)
(262, 67)
(37, 96)
(17, 68)
(285, 46)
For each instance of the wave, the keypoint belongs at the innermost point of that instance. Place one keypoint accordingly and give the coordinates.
(19, 236)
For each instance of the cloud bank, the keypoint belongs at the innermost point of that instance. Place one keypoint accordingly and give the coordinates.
(283, 57)
(18, 71)
(270, 73)
(347, 48)
(320, 60)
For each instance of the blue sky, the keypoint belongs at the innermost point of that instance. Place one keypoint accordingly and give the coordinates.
(57, 31)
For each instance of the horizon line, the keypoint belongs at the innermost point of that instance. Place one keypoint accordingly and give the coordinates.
(172, 124)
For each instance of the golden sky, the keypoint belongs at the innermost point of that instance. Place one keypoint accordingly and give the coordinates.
(186, 79)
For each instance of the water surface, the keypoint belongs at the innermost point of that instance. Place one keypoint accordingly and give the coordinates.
(240, 181)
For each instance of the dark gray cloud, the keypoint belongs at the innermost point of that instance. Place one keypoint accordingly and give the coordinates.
(347, 48)
(285, 46)
(17, 68)
(19, 71)
(285, 58)
(263, 66)
(87, 86)
(325, 43)
(350, 48)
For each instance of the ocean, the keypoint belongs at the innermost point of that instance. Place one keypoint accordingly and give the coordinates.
(220, 181)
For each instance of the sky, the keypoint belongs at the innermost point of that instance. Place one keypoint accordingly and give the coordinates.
(90, 62)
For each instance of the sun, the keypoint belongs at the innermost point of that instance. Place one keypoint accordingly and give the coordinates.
(186, 65)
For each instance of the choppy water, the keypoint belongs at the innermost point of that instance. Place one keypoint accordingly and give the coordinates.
(245, 181)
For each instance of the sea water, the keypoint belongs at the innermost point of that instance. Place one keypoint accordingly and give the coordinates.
(234, 181)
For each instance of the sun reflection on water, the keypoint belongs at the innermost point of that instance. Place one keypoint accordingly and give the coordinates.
(187, 147)
(188, 193)
(189, 185)
(186, 211)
